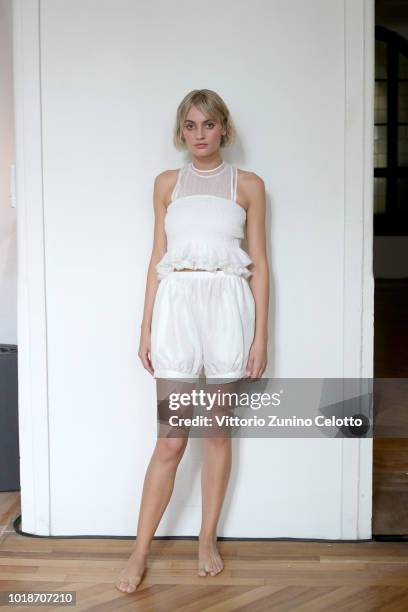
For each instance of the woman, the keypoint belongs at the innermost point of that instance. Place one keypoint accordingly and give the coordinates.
(200, 308)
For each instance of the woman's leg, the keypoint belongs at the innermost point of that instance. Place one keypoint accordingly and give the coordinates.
(227, 332)
(214, 480)
(217, 459)
(157, 489)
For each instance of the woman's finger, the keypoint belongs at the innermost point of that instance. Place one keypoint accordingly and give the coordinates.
(146, 362)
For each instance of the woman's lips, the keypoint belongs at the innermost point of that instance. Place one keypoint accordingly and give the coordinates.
(201, 146)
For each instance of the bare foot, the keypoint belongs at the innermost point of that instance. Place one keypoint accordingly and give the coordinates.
(209, 558)
(132, 574)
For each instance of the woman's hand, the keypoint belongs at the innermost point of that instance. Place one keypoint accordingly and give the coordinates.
(144, 350)
(258, 358)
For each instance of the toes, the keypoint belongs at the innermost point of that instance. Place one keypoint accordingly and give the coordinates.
(127, 587)
(217, 568)
(212, 569)
(202, 570)
(122, 585)
(213, 565)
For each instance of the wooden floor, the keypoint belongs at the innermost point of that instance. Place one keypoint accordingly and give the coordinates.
(307, 576)
(390, 466)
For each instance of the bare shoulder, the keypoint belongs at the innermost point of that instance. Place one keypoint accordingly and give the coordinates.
(250, 181)
(164, 184)
(165, 178)
(251, 185)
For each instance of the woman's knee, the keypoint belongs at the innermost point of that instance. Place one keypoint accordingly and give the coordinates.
(171, 449)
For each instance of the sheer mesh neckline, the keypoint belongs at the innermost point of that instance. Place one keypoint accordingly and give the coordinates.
(208, 173)
(220, 182)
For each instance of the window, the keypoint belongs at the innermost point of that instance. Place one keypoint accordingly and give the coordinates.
(390, 134)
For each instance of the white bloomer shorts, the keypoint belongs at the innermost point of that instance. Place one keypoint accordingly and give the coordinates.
(202, 319)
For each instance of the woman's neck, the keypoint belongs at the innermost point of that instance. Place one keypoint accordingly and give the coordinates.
(207, 163)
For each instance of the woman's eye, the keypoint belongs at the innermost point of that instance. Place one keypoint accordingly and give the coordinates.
(190, 126)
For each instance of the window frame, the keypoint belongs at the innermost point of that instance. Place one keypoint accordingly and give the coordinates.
(391, 223)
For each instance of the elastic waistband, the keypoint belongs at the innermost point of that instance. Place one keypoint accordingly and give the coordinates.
(196, 273)
(180, 274)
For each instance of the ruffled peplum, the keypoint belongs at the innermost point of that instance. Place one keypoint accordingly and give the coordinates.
(232, 259)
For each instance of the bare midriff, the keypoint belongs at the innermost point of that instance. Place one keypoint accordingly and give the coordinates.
(195, 270)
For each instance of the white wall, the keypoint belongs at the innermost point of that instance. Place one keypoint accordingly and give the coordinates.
(111, 76)
(8, 238)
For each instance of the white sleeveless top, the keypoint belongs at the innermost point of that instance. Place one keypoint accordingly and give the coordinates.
(204, 224)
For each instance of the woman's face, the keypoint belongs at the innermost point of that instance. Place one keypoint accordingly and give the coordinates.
(200, 130)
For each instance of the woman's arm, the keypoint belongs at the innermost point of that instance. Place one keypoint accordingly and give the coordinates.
(163, 185)
(254, 189)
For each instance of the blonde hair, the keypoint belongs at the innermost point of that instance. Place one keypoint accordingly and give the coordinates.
(211, 105)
